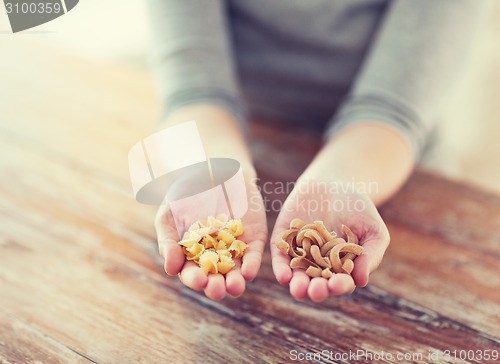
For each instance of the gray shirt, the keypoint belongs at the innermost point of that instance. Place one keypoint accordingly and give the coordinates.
(324, 62)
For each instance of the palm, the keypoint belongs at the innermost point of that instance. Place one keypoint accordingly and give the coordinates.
(215, 286)
(335, 204)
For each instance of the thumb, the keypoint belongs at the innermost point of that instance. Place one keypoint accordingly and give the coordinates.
(167, 237)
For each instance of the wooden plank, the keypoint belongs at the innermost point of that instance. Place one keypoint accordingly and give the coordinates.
(20, 342)
(72, 108)
(109, 309)
(460, 214)
(460, 283)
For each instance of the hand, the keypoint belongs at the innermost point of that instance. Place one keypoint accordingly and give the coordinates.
(215, 285)
(335, 202)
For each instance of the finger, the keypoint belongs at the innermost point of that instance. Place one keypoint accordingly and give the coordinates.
(167, 241)
(173, 255)
(299, 284)
(318, 289)
(252, 259)
(280, 261)
(216, 287)
(235, 283)
(281, 265)
(369, 260)
(193, 277)
(340, 284)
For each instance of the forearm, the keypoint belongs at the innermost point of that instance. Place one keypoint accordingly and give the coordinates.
(219, 130)
(371, 155)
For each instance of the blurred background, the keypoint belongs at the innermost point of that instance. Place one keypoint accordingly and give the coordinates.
(470, 113)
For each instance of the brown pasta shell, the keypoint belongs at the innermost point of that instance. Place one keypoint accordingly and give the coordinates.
(289, 236)
(315, 237)
(348, 266)
(282, 246)
(320, 260)
(346, 248)
(306, 246)
(297, 253)
(313, 271)
(351, 237)
(309, 226)
(327, 273)
(320, 227)
(300, 237)
(325, 249)
(301, 263)
(297, 224)
(348, 256)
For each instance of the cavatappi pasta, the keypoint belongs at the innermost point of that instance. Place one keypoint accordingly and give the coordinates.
(320, 252)
(213, 244)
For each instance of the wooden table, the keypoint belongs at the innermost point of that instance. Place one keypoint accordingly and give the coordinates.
(81, 280)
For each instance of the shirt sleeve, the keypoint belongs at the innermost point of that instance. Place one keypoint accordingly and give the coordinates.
(192, 55)
(415, 57)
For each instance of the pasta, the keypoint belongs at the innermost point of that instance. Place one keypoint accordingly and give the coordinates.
(238, 247)
(195, 251)
(320, 252)
(225, 264)
(213, 244)
(208, 262)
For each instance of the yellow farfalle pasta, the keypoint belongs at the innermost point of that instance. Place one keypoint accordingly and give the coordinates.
(221, 245)
(235, 227)
(212, 244)
(319, 251)
(195, 251)
(190, 238)
(224, 253)
(226, 236)
(208, 262)
(238, 247)
(225, 264)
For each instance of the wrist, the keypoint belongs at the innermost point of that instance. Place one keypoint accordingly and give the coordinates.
(366, 154)
(219, 130)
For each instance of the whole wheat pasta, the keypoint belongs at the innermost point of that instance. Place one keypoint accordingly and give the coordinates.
(348, 265)
(342, 248)
(320, 226)
(326, 273)
(313, 271)
(296, 224)
(315, 237)
(321, 253)
(351, 238)
(318, 259)
(300, 262)
(325, 249)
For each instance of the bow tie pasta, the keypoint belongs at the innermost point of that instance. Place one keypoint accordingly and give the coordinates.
(213, 244)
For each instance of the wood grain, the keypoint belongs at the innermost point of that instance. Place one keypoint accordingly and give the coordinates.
(81, 280)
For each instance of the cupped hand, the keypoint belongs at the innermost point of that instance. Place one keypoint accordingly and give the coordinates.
(216, 285)
(335, 202)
